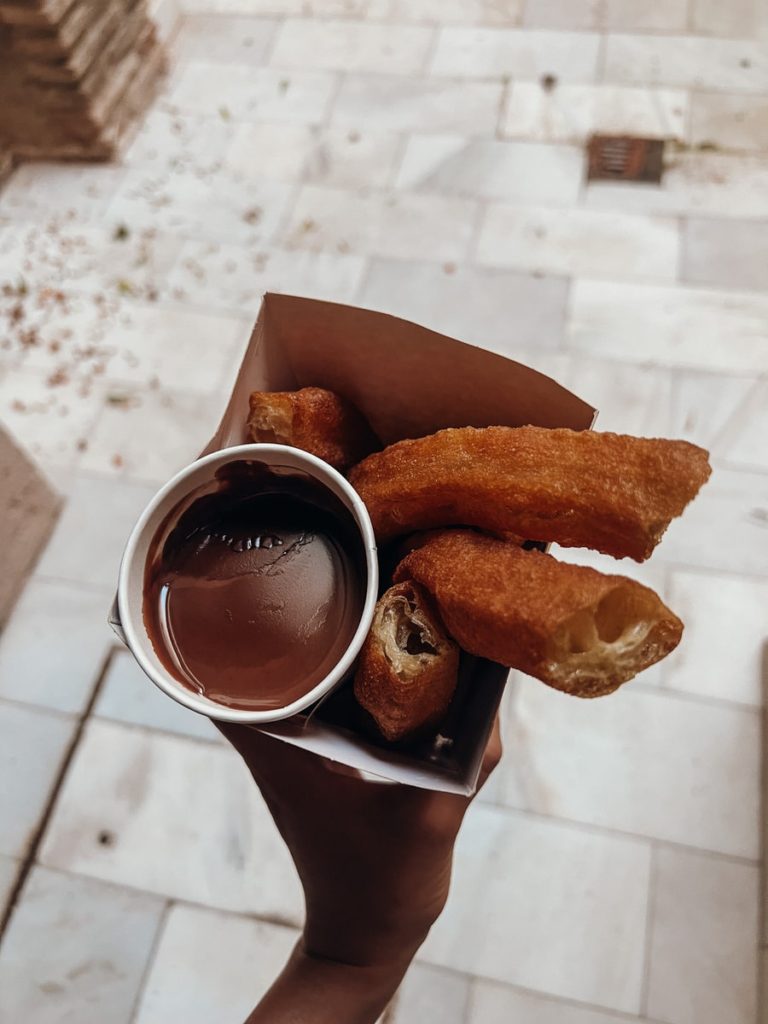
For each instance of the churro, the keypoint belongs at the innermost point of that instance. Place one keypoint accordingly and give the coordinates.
(408, 667)
(611, 492)
(313, 419)
(569, 626)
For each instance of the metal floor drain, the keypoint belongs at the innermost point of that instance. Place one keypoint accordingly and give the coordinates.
(625, 158)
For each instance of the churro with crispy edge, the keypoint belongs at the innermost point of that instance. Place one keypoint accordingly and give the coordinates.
(611, 492)
(313, 419)
(572, 627)
(408, 668)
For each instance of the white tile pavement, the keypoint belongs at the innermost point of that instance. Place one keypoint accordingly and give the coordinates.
(48, 420)
(700, 974)
(9, 869)
(690, 62)
(171, 140)
(54, 646)
(81, 190)
(630, 399)
(571, 113)
(233, 278)
(654, 15)
(742, 443)
(725, 253)
(624, 15)
(339, 156)
(725, 634)
(212, 839)
(696, 328)
(92, 531)
(491, 169)
(704, 403)
(576, 933)
(400, 225)
(734, 19)
(579, 242)
(269, 149)
(710, 183)
(429, 993)
(171, 430)
(348, 158)
(211, 966)
(654, 787)
(146, 335)
(389, 103)
(471, 303)
(562, 14)
(724, 529)
(33, 748)
(128, 696)
(245, 94)
(730, 121)
(492, 1003)
(465, 12)
(518, 53)
(349, 45)
(200, 206)
(230, 40)
(87, 944)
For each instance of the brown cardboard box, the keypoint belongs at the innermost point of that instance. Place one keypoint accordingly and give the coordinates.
(408, 381)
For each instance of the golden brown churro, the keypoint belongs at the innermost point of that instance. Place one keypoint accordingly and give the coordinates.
(408, 668)
(611, 492)
(572, 627)
(313, 419)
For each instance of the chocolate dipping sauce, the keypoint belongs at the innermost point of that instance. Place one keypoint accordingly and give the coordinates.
(254, 586)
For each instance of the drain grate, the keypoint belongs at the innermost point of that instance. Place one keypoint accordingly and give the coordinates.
(625, 158)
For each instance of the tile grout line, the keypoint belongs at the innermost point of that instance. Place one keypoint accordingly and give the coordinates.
(151, 956)
(762, 916)
(550, 997)
(668, 689)
(610, 832)
(645, 984)
(274, 920)
(29, 859)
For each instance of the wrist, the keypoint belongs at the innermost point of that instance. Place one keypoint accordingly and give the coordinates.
(320, 990)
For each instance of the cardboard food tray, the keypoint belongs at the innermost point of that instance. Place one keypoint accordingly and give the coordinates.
(407, 381)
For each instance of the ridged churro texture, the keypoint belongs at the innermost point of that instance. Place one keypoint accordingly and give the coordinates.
(316, 420)
(408, 668)
(610, 492)
(569, 626)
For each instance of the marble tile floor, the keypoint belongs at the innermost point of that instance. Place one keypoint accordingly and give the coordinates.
(423, 158)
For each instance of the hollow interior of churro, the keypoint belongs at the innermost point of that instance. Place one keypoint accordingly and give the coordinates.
(608, 634)
(271, 419)
(409, 638)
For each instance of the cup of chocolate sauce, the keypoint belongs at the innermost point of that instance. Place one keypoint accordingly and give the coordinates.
(248, 585)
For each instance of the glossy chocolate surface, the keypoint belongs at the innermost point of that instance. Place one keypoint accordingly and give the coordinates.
(254, 586)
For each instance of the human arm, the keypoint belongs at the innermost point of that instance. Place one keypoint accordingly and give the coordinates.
(374, 860)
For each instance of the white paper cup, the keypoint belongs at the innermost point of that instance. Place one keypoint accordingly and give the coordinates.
(130, 590)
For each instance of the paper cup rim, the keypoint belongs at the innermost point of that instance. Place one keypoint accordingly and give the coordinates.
(135, 633)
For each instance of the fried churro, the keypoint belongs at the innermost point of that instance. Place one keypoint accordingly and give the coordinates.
(572, 627)
(408, 668)
(611, 492)
(313, 419)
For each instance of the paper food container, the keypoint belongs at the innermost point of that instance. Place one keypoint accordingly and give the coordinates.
(407, 381)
